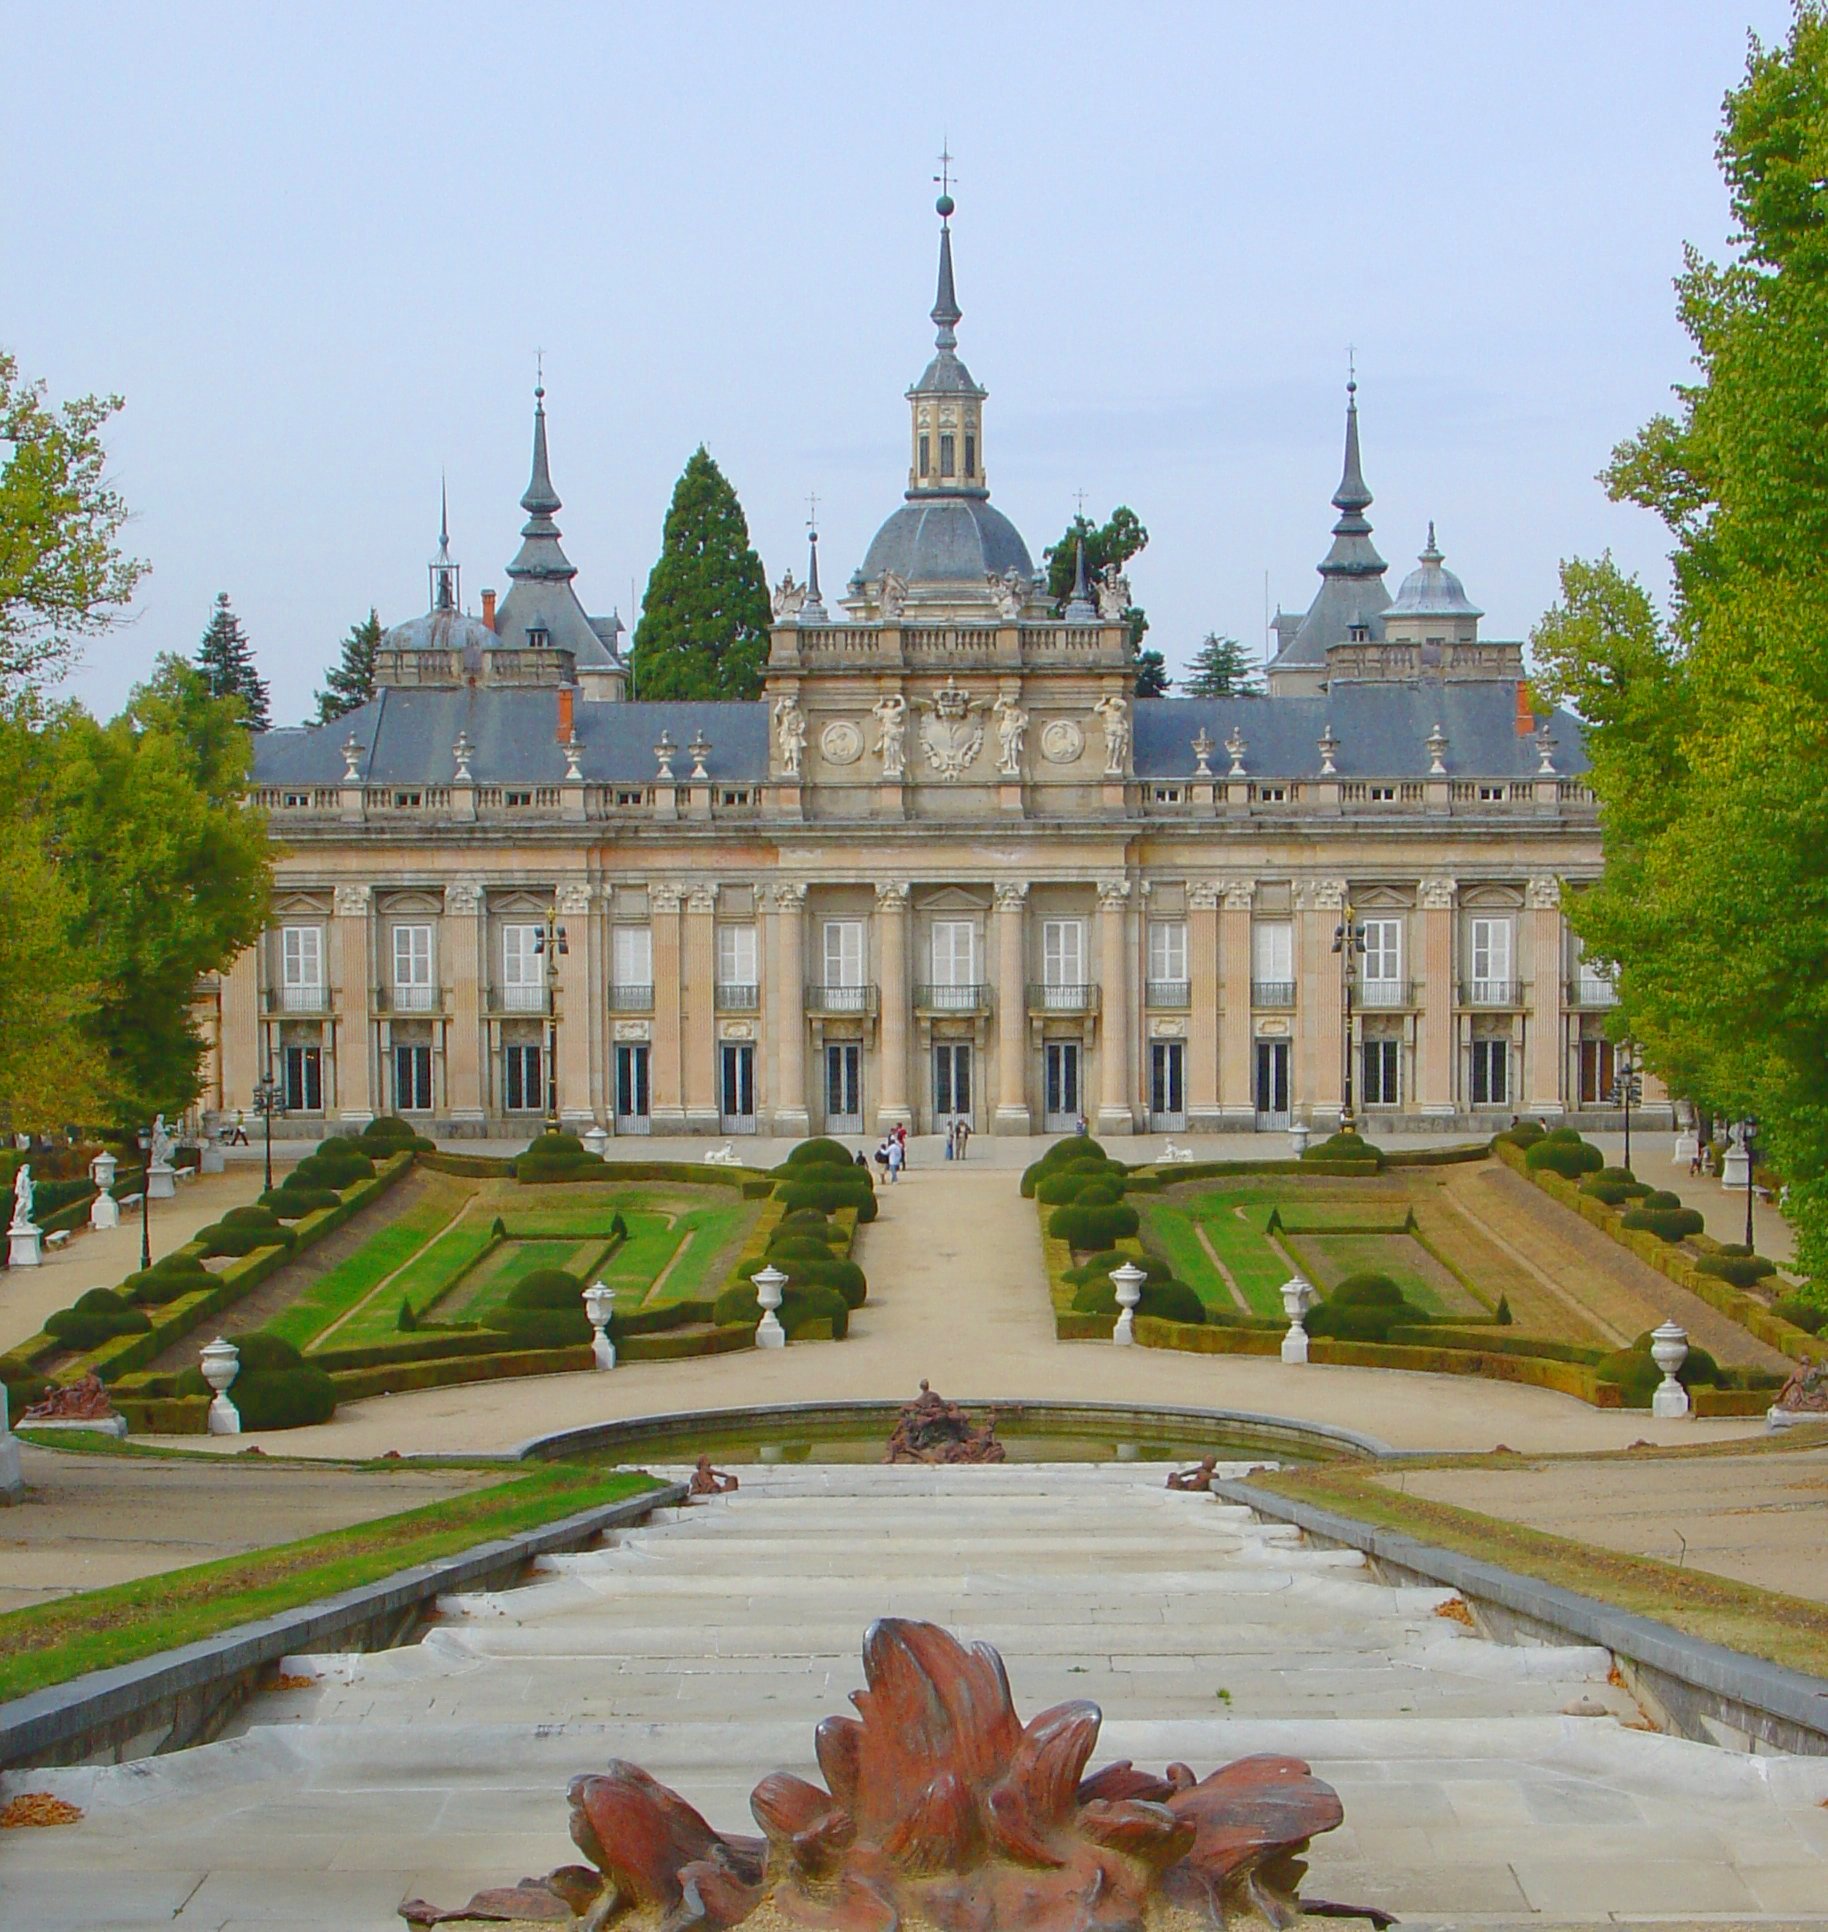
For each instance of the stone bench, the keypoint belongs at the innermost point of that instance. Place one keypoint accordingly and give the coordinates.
(58, 1239)
(128, 1200)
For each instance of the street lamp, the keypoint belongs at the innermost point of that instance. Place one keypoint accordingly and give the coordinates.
(1626, 1088)
(1748, 1129)
(266, 1104)
(549, 945)
(144, 1137)
(1349, 942)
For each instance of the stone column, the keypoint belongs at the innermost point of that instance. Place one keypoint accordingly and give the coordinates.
(1237, 1071)
(576, 974)
(667, 1092)
(1434, 1053)
(1012, 1115)
(788, 1009)
(1542, 1047)
(354, 948)
(892, 1053)
(1116, 1114)
(249, 1039)
(1203, 1006)
(698, 1010)
(461, 943)
(1319, 1000)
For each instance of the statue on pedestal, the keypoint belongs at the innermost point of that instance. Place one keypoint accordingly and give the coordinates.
(24, 1193)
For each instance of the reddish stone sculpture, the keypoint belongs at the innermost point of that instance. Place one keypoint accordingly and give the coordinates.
(707, 1481)
(941, 1810)
(931, 1429)
(1198, 1477)
(1806, 1392)
(84, 1401)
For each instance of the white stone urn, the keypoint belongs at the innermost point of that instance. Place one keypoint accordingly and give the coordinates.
(1669, 1350)
(1128, 1281)
(12, 1481)
(221, 1362)
(102, 1170)
(769, 1283)
(596, 1140)
(1298, 1137)
(1297, 1298)
(599, 1306)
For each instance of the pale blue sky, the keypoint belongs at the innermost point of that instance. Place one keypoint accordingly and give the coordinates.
(317, 247)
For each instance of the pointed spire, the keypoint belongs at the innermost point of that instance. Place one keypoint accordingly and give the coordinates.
(1079, 607)
(541, 498)
(812, 606)
(946, 311)
(444, 573)
(1353, 554)
(540, 554)
(1432, 554)
(1352, 493)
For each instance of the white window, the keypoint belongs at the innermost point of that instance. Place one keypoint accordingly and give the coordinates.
(1063, 952)
(523, 969)
(1168, 950)
(1491, 949)
(843, 943)
(302, 953)
(954, 952)
(413, 969)
(1272, 951)
(1382, 959)
(631, 956)
(1592, 980)
(736, 956)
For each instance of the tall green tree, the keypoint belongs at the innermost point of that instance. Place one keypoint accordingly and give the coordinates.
(1108, 546)
(1152, 679)
(1221, 669)
(169, 869)
(704, 621)
(226, 660)
(62, 574)
(350, 681)
(1710, 757)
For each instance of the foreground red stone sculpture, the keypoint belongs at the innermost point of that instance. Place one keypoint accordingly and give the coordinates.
(86, 1400)
(939, 1810)
(931, 1429)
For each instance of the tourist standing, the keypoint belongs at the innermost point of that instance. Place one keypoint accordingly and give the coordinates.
(901, 1141)
(964, 1137)
(896, 1157)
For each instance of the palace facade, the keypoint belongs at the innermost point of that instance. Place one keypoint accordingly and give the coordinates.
(946, 866)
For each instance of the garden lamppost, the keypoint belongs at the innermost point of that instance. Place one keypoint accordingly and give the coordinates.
(266, 1104)
(1748, 1129)
(1348, 942)
(549, 944)
(144, 1137)
(1626, 1088)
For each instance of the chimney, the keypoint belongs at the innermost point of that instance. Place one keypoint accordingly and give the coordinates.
(565, 717)
(488, 608)
(1526, 718)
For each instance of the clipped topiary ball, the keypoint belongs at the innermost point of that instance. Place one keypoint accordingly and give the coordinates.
(1570, 1158)
(1741, 1270)
(548, 1288)
(1366, 1289)
(1096, 1227)
(1100, 1267)
(1667, 1224)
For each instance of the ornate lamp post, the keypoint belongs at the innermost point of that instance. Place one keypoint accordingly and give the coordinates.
(266, 1105)
(144, 1137)
(550, 945)
(1627, 1087)
(1348, 942)
(1748, 1130)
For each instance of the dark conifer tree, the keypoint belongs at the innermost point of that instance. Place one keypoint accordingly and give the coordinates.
(1220, 669)
(226, 660)
(704, 621)
(1108, 546)
(350, 681)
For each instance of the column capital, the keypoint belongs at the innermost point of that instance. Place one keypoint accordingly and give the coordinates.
(462, 898)
(701, 899)
(1543, 893)
(351, 901)
(1437, 895)
(1203, 894)
(789, 895)
(1239, 894)
(572, 899)
(1320, 895)
(664, 898)
(1113, 894)
(892, 895)
(1011, 895)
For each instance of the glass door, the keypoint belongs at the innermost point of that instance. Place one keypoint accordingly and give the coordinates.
(737, 1099)
(631, 1088)
(1167, 1095)
(524, 1091)
(844, 1088)
(1272, 1083)
(412, 1079)
(304, 1079)
(951, 1083)
(1060, 1086)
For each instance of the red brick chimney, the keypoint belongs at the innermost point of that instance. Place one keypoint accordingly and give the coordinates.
(1526, 718)
(488, 608)
(565, 717)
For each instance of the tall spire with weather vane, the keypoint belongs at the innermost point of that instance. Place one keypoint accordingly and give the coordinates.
(947, 452)
(540, 553)
(812, 609)
(444, 573)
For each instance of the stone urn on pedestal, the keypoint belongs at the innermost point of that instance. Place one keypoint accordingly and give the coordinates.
(1297, 1298)
(1298, 1137)
(1669, 1350)
(769, 1282)
(596, 1140)
(1128, 1281)
(104, 1210)
(599, 1306)
(221, 1363)
(12, 1480)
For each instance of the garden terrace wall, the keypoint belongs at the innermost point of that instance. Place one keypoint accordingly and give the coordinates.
(1673, 1259)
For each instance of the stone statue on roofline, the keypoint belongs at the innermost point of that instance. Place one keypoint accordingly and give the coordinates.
(790, 733)
(891, 714)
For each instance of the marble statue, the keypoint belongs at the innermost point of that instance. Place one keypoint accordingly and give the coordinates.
(1113, 594)
(891, 714)
(790, 734)
(24, 1193)
(1011, 591)
(1012, 736)
(893, 596)
(789, 597)
(164, 1142)
(1114, 709)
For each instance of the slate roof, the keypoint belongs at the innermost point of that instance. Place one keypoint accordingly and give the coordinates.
(947, 540)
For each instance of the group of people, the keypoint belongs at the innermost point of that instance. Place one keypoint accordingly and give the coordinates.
(892, 1149)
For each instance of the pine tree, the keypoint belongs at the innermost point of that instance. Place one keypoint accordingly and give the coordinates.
(227, 662)
(350, 681)
(1220, 669)
(1152, 679)
(704, 621)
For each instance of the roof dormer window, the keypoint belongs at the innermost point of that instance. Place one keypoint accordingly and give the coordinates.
(537, 637)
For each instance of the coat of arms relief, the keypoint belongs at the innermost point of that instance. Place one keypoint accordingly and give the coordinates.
(948, 735)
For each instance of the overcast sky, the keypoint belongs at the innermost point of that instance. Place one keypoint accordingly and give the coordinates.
(317, 247)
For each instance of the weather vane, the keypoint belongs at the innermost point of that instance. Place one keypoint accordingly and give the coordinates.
(539, 371)
(1351, 365)
(812, 512)
(1079, 498)
(944, 177)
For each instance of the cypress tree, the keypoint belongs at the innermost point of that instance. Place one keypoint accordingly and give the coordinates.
(350, 681)
(226, 660)
(704, 621)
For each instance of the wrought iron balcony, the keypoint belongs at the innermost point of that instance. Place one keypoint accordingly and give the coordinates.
(841, 999)
(409, 999)
(1490, 992)
(1046, 998)
(1170, 995)
(1383, 992)
(973, 997)
(520, 999)
(1592, 993)
(1272, 992)
(298, 999)
(733, 997)
(631, 999)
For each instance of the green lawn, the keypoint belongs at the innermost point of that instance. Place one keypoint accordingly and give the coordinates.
(1172, 1230)
(52, 1642)
(1423, 1280)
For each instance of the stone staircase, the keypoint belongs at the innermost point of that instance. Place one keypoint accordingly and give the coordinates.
(707, 1644)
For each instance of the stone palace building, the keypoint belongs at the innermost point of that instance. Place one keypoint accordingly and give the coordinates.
(946, 866)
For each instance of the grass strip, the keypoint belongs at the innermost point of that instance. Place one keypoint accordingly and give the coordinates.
(340, 1288)
(1760, 1623)
(50, 1643)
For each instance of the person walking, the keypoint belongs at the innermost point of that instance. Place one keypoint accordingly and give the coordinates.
(964, 1137)
(239, 1137)
(896, 1157)
(901, 1140)
(882, 1152)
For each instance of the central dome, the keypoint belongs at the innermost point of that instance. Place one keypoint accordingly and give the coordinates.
(947, 540)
